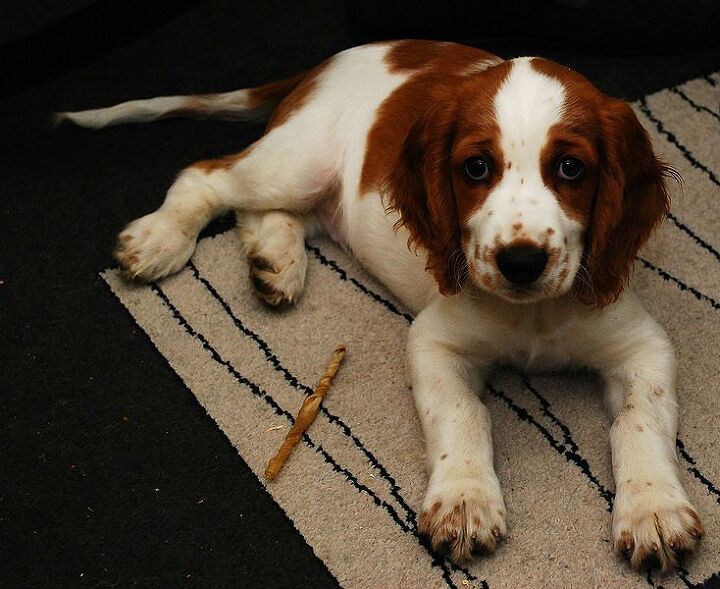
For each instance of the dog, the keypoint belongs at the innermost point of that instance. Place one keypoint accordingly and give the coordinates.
(504, 202)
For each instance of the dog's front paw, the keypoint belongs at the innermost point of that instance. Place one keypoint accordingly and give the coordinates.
(463, 518)
(154, 246)
(654, 526)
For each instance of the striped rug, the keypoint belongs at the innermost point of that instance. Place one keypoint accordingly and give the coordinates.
(355, 483)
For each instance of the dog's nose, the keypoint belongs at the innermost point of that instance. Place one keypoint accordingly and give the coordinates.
(521, 264)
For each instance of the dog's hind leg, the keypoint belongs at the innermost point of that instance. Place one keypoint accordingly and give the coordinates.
(274, 243)
(293, 169)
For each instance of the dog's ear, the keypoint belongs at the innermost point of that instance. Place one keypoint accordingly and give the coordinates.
(631, 200)
(420, 189)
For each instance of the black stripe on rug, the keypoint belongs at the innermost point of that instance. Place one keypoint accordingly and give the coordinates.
(696, 107)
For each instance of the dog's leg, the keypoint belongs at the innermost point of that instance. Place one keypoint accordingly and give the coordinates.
(653, 519)
(274, 173)
(274, 243)
(463, 513)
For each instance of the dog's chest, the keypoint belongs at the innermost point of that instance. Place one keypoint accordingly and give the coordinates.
(544, 338)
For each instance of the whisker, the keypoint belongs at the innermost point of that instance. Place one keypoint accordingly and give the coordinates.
(585, 278)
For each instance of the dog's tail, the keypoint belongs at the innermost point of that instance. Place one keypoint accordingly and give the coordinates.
(250, 104)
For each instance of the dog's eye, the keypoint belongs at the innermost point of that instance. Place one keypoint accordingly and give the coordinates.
(570, 168)
(477, 168)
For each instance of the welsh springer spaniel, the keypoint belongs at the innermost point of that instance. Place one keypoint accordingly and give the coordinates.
(504, 201)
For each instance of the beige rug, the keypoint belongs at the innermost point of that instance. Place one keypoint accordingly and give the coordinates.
(354, 485)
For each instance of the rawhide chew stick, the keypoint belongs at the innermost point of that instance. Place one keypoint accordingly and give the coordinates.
(307, 414)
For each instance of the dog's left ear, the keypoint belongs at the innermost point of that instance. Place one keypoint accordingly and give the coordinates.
(631, 200)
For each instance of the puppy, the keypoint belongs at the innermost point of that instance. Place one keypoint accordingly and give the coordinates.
(504, 202)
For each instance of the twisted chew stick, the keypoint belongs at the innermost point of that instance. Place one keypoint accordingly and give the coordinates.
(307, 414)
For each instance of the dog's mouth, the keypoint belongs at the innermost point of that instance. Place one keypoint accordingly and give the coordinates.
(544, 288)
(522, 293)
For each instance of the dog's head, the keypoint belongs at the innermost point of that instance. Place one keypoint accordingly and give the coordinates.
(528, 181)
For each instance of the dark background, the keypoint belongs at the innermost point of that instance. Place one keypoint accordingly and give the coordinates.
(111, 473)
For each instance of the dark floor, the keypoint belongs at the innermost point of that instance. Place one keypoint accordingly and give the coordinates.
(112, 474)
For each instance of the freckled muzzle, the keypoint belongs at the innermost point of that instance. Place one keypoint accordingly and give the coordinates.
(521, 264)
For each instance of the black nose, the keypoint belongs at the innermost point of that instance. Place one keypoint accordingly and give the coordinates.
(521, 264)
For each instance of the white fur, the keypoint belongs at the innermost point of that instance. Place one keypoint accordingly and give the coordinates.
(454, 339)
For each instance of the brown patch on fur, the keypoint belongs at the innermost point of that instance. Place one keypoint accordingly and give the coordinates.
(625, 543)
(698, 529)
(487, 280)
(422, 134)
(681, 543)
(553, 256)
(488, 255)
(578, 135)
(304, 85)
(550, 231)
(517, 227)
(509, 166)
(413, 54)
(261, 100)
(427, 516)
(222, 163)
(443, 533)
(639, 428)
(274, 92)
(443, 457)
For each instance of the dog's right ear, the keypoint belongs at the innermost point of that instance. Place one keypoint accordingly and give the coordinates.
(420, 189)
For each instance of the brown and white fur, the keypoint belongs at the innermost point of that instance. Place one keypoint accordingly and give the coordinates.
(372, 147)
